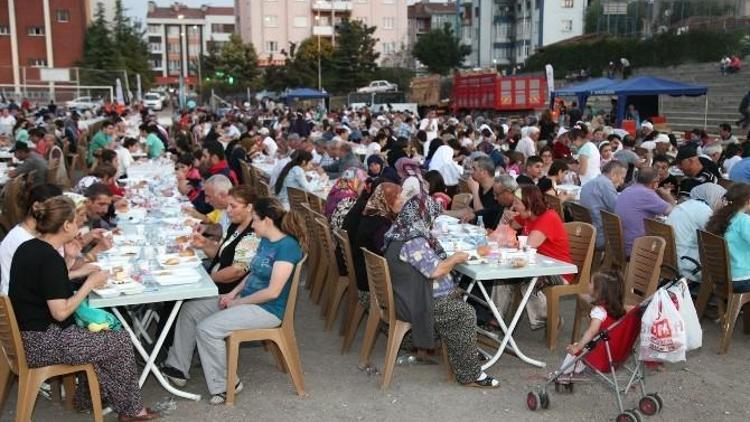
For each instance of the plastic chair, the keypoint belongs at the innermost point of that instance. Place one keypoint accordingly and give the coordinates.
(321, 274)
(316, 203)
(580, 213)
(314, 256)
(614, 246)
(264, 190)
(283, 338)
(355, 311)
(717, 280)
(382, 308)
(581, 238)
(461, 201)
(555, 204)
(296, 198)
(666, 232)
(336, 285)
(248, 178)
(30, 379)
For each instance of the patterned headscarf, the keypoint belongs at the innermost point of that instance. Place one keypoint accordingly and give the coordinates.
(346, 186)
(382, 200)
(415, 220)
(407, 167)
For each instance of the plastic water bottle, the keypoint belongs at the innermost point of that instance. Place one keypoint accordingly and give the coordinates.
(480, 222)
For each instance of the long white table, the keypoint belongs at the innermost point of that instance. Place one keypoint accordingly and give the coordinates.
(265, 169)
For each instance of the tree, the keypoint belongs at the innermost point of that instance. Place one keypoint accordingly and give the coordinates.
(440, 50)
(353, 62)
(239, 63)
(131, 49)
(302, 68)
(98, 57)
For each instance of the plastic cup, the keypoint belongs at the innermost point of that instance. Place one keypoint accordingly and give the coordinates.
(522, 240)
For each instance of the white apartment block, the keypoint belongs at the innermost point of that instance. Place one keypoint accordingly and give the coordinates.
(507, 32)
(271, 25)
(178, 35)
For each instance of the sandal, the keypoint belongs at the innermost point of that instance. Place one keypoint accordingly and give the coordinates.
(487, 382)
(220, 398)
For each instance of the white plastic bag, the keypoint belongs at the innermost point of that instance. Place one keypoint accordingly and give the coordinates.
(662, 331)
(693, 330)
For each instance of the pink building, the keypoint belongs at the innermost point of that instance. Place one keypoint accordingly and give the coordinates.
(272, 24)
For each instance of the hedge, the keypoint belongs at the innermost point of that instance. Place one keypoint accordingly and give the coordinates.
(666, 49)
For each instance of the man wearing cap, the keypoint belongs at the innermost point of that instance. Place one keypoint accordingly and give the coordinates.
(560, 149)
(725, 135)
(697, 170)
(30, 161)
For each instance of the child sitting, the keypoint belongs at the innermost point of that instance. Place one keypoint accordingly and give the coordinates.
(438, 191)
(607, 301)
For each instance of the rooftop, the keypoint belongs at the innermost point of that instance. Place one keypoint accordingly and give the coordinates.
(425, 10)
(177, 9)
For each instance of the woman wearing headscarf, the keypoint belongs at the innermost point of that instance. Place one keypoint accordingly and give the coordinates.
(375, 165)
(690, 216)
(443, 163)
(424, 290)
(411, 175)
(345, 189)
(377, 217)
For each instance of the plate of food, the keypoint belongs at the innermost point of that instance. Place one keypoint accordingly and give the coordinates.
(175, 276)
(186, 258)
(128, 251)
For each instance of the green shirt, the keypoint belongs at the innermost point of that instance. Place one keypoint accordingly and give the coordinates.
(99, 141)
(155, 145)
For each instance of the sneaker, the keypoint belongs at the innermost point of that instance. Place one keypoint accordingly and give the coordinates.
(175, 376)
(220, 398)
(487, 382)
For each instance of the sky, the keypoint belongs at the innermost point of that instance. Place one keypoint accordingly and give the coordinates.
(138, 8)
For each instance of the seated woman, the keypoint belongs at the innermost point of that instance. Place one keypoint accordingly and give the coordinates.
(437, 189)
(257, 302)
(190, 182)
(411, 178)
(378, 216)
(555, 176)
(443, 162)
(44, 303)
(424, 290)
(733, 222)
(344, 192)
(293, 175)
(688, 217)
(546, 233)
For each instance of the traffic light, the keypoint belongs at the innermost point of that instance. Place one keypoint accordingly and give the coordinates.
(230, 79)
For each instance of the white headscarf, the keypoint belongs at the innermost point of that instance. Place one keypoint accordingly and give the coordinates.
(710, 193)
(442, 161)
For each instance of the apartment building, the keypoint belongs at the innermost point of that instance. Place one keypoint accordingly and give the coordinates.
(179, 35)
(506, 32)
(36, 34)
(271, 25)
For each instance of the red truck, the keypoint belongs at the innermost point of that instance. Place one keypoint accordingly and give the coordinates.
(488, 90)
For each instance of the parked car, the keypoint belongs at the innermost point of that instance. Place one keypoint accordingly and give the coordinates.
(153, 101)
(83, 103)
(379, 86)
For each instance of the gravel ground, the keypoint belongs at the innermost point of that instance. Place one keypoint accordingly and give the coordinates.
(707, 387)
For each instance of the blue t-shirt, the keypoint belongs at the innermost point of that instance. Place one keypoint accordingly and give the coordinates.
(286, 249)
(738, 243)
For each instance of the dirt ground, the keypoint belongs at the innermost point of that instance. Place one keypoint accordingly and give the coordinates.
(708, 387)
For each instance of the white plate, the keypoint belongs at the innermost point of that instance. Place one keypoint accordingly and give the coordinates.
(184, 261)
(107, 292)
(176, 276)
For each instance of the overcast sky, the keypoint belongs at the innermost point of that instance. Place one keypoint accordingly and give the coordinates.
(138, 8)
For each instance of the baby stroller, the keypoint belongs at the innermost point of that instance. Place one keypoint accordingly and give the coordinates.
(607, 354)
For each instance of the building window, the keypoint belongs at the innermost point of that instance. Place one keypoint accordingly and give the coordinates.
(272, 46)
(222, 28)
(38, 62)
(271, 20)
(300, 22)
(566, 25)
(389, 48)
(389, 1)
(567, 4)
(156, 63)
(155, 29)
(63, 15)
(36, 31)
(4, 30)
(389, 23)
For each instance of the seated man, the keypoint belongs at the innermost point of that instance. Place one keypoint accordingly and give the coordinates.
(642, 200)
(532, 172)
(98, 213)
(30, 161)
(217, 161)
(216, 190)
(483, 203)
(347, 159)
(697, 170)
(601, 194)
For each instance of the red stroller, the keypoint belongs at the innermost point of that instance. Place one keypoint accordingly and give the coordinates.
(607, 354)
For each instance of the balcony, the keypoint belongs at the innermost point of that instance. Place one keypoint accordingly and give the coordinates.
(154, 48)
(332, 6)
(323, 31)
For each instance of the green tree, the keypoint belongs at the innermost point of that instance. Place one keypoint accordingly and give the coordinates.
(98, 58)
(440, 50)
(210, 61)
(239, 64)
(131, 49)
(302, 69)
(353, 61)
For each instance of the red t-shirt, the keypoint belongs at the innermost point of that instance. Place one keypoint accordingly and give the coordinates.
(556, 243)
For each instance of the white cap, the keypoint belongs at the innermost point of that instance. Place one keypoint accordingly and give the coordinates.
(647, 125)
(562, 132)
(648, 145)
(662, 139)
(263, 131)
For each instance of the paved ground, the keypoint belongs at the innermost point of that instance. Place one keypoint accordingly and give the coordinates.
(708, 387)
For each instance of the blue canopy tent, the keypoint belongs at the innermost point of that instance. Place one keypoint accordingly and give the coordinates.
(301, 94)
(583, 90)
(649, 86)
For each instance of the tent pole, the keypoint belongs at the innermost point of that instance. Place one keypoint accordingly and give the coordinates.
(705, 114)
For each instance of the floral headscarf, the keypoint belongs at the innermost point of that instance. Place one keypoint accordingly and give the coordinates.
(346, 186)
(415, 220)
(382, 200)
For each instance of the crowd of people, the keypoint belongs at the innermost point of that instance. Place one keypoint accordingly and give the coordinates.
(392, 175)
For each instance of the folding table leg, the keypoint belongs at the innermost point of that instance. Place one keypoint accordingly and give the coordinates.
(150, 367)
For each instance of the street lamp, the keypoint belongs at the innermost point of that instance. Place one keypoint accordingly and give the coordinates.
(320, 79)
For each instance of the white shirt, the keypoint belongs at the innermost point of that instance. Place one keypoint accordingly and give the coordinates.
(526, 147)
(125, 160)
(269, 146)
(730, 162)
(686, 218)
(430, 127)
(594, 162)
(8, 247)
(7, 124)
(233, 132)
